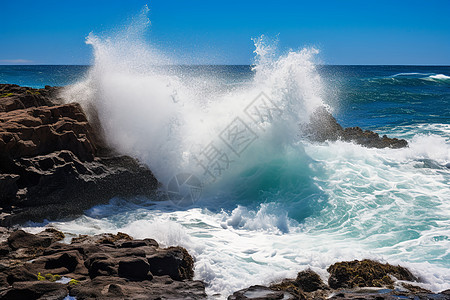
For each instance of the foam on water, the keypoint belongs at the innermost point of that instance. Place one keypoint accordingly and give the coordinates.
(383, 204)
(284, 204)
(440, 77)
(420, 78)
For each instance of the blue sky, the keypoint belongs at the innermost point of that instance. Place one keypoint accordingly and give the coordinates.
(220, 32)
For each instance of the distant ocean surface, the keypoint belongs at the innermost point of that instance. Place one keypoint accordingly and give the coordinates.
(285, 204)
(368, 96)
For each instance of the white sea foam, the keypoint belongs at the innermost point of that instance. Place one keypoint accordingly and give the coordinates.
(440, 77)
(423, 76)
(414, 74)
(382, 204)
(166, 120)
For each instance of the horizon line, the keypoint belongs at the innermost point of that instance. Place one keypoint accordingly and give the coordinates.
(205, 65)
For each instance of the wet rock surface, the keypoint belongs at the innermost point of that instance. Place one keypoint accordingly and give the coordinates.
(53, 163)
(40, 266)
(364, 279)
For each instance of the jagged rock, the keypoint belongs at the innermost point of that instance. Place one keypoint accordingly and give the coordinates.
(14, 97)
(289, 287)
(42, 130)
(365, 273)
(103, 266)
(53, 163)
(69, 260)
(173, 261)
(19, 274)
(324, 127)
(348, 280)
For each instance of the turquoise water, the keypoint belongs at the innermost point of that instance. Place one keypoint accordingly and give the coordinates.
(285, 204)
(269, 203)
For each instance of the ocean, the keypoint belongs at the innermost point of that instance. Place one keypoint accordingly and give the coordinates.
(282, 204)
(242, 190)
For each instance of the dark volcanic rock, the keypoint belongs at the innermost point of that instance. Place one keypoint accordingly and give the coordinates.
(135, 268)
(324, 127)
(53, 163)
(174, 261)
(99, 266)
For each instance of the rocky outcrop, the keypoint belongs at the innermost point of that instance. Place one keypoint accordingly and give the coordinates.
(102, 267)
(53, 163)
(365, 273)
(324, 127)
(366, 279)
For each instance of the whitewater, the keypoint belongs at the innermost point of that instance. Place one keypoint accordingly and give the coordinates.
(280, 204)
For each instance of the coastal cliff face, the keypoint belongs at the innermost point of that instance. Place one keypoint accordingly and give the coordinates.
(53, 163)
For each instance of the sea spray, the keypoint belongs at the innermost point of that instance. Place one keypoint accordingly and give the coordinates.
(151, 112)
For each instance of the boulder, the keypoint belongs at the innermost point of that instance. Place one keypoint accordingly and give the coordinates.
(365, 273)
(174, 262)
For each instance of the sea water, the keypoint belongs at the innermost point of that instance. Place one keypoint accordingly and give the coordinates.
(279, 204)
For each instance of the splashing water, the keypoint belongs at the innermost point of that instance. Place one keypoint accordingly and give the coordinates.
(170, 121)
(281, 205)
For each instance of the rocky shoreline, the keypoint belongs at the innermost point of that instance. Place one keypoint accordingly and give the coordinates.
(94, 267)
(55, 164)
(115, 266)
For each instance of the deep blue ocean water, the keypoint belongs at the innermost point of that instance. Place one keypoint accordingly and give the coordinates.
(366, 96)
